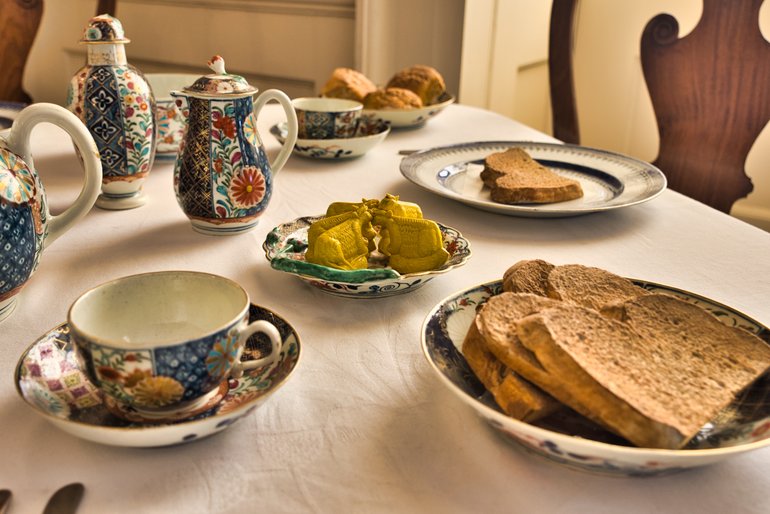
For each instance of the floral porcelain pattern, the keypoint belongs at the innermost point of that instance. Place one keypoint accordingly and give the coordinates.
(163, 376)
(742, 426)
(287, 244)
(23, 227)
(50, 379)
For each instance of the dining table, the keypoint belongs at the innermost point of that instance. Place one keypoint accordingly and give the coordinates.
(363, 424)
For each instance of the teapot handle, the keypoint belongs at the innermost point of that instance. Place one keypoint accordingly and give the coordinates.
(291, 118)
(18, 142)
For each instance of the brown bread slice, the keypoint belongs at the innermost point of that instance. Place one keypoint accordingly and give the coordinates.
(656, 389)
(515, 396)
(528, 276)
(590, 287)
(496, 323)
(515, 177)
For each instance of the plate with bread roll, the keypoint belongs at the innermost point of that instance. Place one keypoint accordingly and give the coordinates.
(411, 96)
(531, 179)
(603, 373)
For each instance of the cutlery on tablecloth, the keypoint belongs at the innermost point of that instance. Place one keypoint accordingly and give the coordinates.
(65, 500)
(5, 500)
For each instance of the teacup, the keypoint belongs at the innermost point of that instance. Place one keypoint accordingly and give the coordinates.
(326, 118)
(164, 344)
(170, 116)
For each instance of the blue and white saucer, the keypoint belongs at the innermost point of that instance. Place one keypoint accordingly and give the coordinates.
(49, 379)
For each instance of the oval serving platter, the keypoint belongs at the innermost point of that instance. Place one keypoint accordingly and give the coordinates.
(742, 426)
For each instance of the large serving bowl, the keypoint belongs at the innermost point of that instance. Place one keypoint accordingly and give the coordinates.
(741, 427)
(410, 118)
(285, 248)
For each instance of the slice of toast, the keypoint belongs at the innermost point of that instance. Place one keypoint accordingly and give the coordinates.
(655, 387)
(515, 177)
(515, 396)
(572, 283)
(590, 287)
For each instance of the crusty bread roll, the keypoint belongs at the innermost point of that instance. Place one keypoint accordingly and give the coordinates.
(348, 84)
(392, 98)
(423, 80)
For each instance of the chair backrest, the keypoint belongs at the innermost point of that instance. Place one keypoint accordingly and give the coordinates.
(19, 21)
(710, 92)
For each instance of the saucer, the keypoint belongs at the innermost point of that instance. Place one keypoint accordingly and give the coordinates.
(285, 248)
(369, 133)
(49, 378)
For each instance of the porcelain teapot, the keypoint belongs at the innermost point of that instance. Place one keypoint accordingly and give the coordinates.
(26, 226)
(222, 177)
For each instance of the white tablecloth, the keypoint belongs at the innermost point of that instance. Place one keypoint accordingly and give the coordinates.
(363, 425)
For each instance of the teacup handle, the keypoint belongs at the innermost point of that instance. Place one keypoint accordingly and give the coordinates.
(271, 332)
(291, 124)
(18, 142)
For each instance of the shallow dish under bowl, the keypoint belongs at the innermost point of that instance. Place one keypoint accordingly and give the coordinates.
(369, 133)
(49, 379)
(410, 118)
(741, 427)
(285, 248)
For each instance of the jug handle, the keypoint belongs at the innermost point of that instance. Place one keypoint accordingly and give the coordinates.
(18, 142)
(291, 119)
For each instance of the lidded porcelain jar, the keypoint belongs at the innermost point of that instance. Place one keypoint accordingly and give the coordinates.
(223, 178)
(114, 100)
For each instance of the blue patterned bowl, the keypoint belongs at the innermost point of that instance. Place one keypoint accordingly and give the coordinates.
(285, 248)
(741, 427)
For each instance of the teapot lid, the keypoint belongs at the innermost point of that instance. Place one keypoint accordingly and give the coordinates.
(220, 84)
(103, 29)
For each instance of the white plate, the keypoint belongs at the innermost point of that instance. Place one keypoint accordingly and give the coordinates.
(609, 180)
(410, 118)
(741, 427)
(49, 379)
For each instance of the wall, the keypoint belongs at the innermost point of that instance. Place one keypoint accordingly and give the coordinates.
(614, 108)
(292, 45)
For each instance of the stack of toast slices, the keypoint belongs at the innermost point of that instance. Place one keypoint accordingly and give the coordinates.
(650, 368)
(514, 177)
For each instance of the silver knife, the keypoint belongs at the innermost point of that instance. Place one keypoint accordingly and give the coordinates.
(5, 500)
(65, 500)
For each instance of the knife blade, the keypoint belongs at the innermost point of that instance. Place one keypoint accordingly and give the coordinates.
(65, 500)
(5, 500)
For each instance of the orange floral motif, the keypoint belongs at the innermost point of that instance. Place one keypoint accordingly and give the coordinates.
(157, 392)
(135, 377)
(248, 188)
(227, 125)
(218, 165)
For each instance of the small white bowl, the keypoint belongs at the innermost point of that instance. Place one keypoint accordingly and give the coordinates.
(405, 118)
(370, 133)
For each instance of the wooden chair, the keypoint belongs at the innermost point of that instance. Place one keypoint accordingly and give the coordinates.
(19, 21)
(710, 92)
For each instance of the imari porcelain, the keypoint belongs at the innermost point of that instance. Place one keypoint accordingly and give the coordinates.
(326, 118)
(116, 103)
(51, 380)
(285, 248)
(170, 117)
(369, 133)
(162, 345)
(26, 226)
(410, 118)
(741, 427)
(222, 176)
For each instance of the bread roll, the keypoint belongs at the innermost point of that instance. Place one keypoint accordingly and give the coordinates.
(423, 80)
(348, 84)
(392, 98)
